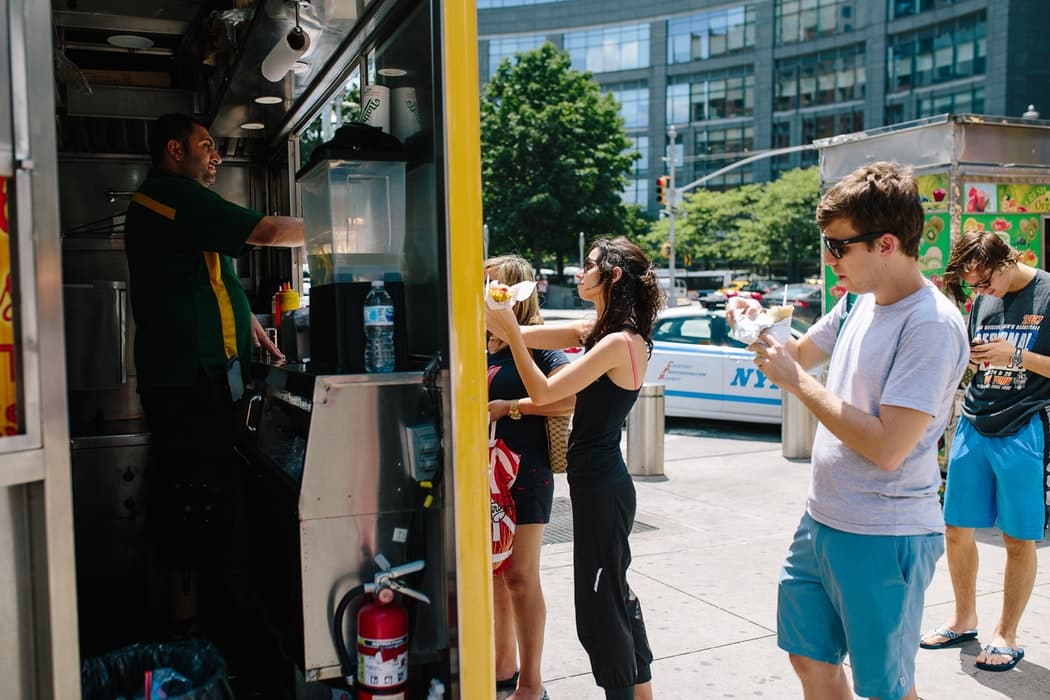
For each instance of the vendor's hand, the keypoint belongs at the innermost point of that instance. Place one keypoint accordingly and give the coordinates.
(748, 307)
(501, 322)
(997, 351)
(775, 362)
(261, 339)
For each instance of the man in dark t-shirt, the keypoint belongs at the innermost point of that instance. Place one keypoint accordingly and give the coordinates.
(997, 469)
(194, 329)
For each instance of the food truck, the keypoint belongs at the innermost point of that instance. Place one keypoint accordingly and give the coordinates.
(974, 172)
(355, 482)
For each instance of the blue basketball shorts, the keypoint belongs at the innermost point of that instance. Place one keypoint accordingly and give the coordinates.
(999, 481)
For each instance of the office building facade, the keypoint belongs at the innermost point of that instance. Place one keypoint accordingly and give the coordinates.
(738, 77)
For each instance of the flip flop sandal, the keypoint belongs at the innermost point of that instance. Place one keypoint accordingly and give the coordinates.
(1014, 654)
(508, 683)
(950, 638)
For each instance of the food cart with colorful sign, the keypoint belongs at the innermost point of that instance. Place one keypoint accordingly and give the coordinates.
(974, 173)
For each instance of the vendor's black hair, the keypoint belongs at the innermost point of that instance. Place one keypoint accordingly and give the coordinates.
(166, 128)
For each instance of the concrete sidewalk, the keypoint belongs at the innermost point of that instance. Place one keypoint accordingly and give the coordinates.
(706, 572)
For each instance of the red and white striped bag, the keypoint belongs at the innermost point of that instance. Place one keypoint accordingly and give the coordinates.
(503, 471)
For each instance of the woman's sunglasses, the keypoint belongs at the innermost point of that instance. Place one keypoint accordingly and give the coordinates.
(837, 246)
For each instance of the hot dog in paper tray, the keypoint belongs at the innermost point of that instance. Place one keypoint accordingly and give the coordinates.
(499, 295)
(748, 326)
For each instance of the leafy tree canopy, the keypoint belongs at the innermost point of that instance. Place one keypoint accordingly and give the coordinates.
(751, 226)
(554, 158)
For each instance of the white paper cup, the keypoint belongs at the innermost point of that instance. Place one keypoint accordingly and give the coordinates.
(404, 119)
(375, 106)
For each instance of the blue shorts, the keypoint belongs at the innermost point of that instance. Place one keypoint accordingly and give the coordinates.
(863, 595)
(999, 480)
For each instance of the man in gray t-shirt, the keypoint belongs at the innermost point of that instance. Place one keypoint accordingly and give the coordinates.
(997, 469)
(855, 577)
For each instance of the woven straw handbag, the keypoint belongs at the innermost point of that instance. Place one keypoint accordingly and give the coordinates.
(558, 442)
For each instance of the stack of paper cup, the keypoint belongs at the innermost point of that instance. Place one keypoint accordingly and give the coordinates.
(405, 120)
(375, 106)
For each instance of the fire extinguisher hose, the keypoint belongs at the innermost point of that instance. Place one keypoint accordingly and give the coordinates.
(346, 660)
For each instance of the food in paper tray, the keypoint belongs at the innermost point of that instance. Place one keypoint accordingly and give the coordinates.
(499, 294)
(775, 319)
(779, 313)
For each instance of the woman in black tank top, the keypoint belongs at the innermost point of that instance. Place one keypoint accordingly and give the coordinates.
(620, 281)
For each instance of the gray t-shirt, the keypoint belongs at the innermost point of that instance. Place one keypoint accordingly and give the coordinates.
(910, 354)
(996, 403)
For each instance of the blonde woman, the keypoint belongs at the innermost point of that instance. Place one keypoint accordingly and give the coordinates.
(520, 610)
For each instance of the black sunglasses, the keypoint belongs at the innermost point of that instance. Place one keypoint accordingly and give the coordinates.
(837, 246)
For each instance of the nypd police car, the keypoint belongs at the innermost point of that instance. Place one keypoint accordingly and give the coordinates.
(707, 374)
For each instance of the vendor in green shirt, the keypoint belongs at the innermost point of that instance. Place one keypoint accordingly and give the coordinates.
(194, 330)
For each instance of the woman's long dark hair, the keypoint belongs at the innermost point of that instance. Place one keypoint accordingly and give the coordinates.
(632, 301)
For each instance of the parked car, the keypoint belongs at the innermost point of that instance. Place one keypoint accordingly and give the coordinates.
(807, 299)
(707, 374)
(756, 289)
(714, 300)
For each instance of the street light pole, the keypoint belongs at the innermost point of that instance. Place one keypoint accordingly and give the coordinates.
(672, 136)
(581, 250)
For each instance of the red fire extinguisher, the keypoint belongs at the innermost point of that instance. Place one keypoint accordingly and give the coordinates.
(382, 634)
(382, 648)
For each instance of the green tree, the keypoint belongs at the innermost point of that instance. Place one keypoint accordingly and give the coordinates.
(785, 219)
(554, 158)
(753, 225)
(709, 228)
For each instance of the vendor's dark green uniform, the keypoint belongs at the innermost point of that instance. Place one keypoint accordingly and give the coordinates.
(174, 231)
(170, 224)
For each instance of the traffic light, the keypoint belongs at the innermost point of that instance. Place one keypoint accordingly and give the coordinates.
(661, 190)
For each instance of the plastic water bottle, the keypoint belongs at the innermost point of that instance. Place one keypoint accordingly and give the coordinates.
(379, 330)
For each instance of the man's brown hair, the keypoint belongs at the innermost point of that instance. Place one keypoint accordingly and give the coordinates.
(877, 197)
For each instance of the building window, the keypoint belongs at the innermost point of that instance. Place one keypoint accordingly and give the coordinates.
(782, 139)
(906, 8)
(634, 103)
(894, 113)
(805, 20)
(501, 48)
(640, 145)
(937, 54)
(609, 48)
(637, 189)
(824, 78)
(828, 124)
(720, 95)
(708, 34)
(716, 148)
(636, 192)
(970, 100)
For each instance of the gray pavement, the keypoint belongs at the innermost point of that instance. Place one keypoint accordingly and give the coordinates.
(706, 573)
